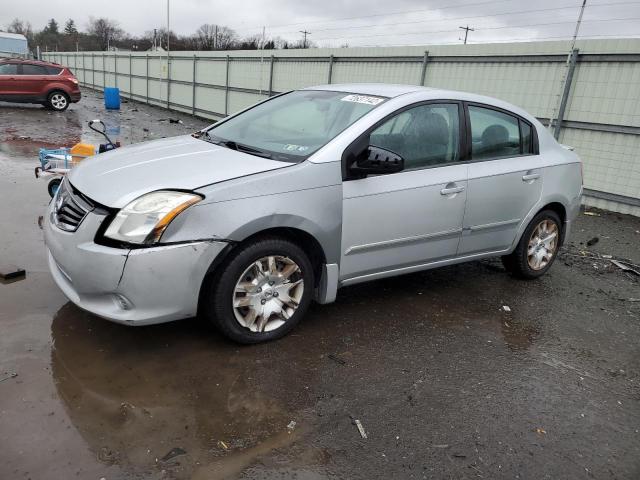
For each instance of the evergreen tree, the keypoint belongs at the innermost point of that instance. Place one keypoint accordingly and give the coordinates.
(70, 27)
(52, 27)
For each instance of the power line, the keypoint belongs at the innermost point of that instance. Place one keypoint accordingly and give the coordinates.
(513, 39)
(511, 12)
(481, 29)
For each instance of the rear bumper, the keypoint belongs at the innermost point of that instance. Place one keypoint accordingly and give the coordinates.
(132, 287)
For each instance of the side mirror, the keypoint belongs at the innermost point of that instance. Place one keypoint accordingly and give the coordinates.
(377, 161)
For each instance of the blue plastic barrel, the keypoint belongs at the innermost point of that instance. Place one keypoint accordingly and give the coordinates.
(112, 98)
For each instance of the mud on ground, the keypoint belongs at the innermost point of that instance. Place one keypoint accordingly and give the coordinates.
(445, 382)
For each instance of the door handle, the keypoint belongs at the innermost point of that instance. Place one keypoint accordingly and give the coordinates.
(451, 190)
(530, 177)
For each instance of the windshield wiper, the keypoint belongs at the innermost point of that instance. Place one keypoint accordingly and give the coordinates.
(240, 148)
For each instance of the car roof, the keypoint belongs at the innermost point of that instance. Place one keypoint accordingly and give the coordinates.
(381, 89)
(30, 62)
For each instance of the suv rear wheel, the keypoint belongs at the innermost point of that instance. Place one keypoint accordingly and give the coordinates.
(262, 291)
(58, 101)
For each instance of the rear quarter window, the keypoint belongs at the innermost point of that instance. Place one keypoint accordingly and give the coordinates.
(54, 70)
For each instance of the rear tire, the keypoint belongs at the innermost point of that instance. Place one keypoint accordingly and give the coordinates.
(538, 247)
(58, 101)
(261, 292)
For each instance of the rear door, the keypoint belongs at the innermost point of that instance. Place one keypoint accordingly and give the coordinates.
(505, 179)
(398, 221)
(9, 83)
(33, 79)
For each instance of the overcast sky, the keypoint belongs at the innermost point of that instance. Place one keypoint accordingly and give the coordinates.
(352, 22)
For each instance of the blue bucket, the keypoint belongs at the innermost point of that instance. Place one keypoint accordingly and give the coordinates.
(112, 98)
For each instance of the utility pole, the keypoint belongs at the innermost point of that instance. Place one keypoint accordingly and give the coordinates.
(555, 121)
(304, 41)
(466, 32)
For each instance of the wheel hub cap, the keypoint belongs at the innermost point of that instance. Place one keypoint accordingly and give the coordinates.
(543, 244)
(268, 293)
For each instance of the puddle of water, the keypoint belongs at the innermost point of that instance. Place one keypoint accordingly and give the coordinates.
(134, 394)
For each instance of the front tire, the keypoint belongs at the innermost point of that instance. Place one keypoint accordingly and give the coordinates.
(261, 292)
(58, 101)
(537, 248)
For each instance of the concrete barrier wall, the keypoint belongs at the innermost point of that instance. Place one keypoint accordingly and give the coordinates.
(602, 104)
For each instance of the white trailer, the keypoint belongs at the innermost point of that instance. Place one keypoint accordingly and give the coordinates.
(13, 45)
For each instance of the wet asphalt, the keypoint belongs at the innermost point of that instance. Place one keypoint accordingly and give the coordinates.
(444, 381)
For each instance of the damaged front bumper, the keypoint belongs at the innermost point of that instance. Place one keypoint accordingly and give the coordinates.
(130, 286)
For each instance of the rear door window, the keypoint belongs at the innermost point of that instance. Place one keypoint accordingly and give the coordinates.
(28, 69)
(8, 69)
(494, 134)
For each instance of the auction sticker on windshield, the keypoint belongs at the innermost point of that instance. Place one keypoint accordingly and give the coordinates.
(362, 99)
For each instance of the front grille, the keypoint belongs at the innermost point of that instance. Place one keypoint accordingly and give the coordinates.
(70, 207)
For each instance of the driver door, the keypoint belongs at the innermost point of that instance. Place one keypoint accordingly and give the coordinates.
(403, 221)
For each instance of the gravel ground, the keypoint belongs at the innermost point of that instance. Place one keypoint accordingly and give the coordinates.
(445, 382)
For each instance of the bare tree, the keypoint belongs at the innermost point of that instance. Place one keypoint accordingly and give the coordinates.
(105, 31)
(206, 35)
(225, 38)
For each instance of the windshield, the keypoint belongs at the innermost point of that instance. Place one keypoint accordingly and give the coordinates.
(293, 126)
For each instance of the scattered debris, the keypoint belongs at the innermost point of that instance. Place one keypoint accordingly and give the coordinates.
(175, 120)
(336, 359)
(174, 452)
(541, 431)
(592, 241)
(40, 221)
(10, 272)
(443, 445)
(506, 308)
(358, 424)
(592, 214)
(633, 300)
(459, 455)
(222, 445)
(145, 130)
(291, 425)
(625, 267)
(7, 377)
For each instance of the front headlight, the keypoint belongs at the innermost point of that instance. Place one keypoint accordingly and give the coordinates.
(144, 220)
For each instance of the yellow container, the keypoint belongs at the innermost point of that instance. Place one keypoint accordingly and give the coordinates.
(80, 151)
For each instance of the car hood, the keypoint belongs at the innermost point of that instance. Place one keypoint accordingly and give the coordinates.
(117, 177)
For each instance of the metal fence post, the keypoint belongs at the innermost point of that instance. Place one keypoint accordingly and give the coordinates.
(330, 68)
(168, 80)
(565, 93)
(130, 79)
(271, 76)
(423, 74)
(146, 76)
(115, 69)
(193, 86)
(226, 90)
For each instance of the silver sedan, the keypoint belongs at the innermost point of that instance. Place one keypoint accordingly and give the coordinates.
(249, 220)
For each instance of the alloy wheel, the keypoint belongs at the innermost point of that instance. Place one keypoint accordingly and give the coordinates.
(58, 101)
(543, 244)
(268, 293)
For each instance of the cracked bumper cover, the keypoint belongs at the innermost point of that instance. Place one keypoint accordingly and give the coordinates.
(133, 287)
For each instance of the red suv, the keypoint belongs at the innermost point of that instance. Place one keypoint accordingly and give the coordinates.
(32, 81)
